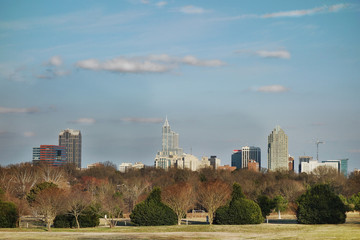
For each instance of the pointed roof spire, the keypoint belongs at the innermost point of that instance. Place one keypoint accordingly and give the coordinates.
(166, 124)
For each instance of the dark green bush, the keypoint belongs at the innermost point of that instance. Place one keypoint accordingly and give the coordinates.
(266, 205)
(152, 212)
(63, 221)
(320, 205)
(239, 211)
(88, 219)
(8, 215)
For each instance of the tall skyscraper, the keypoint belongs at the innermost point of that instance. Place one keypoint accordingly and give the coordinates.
(71, 140)
(170, 141)
(278, 150)
(240, 158)
(171, 153)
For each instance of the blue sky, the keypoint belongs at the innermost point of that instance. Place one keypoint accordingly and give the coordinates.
(224, 72)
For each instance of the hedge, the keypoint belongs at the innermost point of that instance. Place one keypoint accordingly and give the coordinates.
(152, 212)
(320, 205)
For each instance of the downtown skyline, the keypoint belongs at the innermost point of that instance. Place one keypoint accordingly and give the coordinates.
(225, 74)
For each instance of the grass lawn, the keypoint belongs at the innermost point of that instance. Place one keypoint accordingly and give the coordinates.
(275, 230)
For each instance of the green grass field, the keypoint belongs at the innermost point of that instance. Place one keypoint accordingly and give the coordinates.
(276, 230)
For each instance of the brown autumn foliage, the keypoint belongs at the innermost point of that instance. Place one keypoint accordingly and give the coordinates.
(77, 202)
(212, 195)
(49, 203)
(180, 197)
(128, 189)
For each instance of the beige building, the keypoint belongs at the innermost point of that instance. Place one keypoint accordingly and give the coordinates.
(71, 140)
(278, 150)
(309, 167)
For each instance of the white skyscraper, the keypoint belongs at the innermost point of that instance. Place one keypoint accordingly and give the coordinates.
(171, 153)
(278, 150)
(170, 141)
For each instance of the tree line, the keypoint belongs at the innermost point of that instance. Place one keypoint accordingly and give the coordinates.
(65, 196)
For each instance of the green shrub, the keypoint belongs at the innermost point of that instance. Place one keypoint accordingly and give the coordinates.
(266, 205)
(239, 210)
(355, 201)
(89, 218)
(63, 221)
(320, 205)
(8, 215)
(152, 212)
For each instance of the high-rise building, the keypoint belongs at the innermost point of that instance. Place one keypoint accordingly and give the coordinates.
(52, 155)
(278, 150)
(170, 141)
(214, 162)
(36, 155)
(240, 158)
(170, 153)
(71, 140)
(305, 159)
(236, 159)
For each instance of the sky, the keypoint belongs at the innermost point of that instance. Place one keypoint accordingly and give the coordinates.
(225, 73)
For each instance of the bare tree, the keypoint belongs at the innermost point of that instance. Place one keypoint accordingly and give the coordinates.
(131, 189)
(24, 177)
(111, 202)
(212, 195)
(52, 174)
(77, 202)
(49, 203)
(6, 180)
(180, 198)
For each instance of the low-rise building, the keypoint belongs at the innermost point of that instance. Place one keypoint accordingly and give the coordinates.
(253, 165)
(227, 167)
(313, 164)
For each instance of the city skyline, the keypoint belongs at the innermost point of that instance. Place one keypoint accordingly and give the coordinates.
(224, 73)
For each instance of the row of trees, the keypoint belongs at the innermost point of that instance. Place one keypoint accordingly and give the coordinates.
(103, 190)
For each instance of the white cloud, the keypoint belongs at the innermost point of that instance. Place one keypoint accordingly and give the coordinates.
(84, 121)
(190, 9)
(274, 54)
(272, 89)
(191, 60)
(55, 61)
(299, 13)
(142, 120)
(150, 64)
(29, 134)
(145, 1)
(19, 110)
(123, 65)
(291, 13)
(161, 4)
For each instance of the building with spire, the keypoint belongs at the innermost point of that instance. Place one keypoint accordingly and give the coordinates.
(278, 156)
(170, 141)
